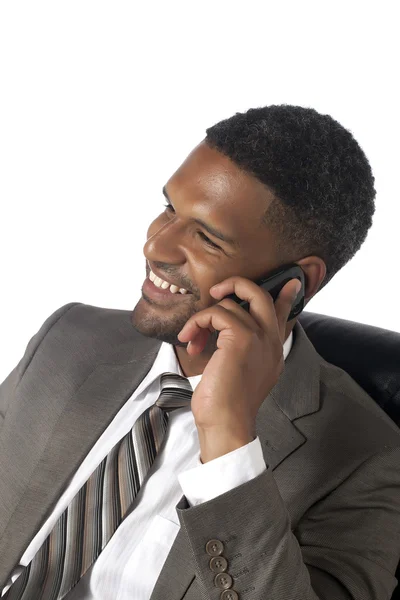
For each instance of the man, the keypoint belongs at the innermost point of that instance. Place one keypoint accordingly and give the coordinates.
(242, 465)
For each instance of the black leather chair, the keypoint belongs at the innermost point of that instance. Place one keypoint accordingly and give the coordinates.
(370, 355)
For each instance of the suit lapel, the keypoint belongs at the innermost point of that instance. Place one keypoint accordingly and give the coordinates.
(295, 395)
(30, 490)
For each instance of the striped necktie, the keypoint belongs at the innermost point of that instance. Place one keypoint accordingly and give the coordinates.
(89, 521)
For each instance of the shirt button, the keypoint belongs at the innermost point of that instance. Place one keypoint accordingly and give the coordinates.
(229, 595)
(223, 581)
(218, 564)
(214, 547)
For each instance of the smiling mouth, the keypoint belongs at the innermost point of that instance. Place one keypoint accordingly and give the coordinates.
(159, 294)
(172, 287)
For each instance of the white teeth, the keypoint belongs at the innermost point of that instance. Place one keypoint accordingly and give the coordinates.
(165, 285)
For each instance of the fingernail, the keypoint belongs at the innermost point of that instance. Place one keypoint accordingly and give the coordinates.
(298, 287)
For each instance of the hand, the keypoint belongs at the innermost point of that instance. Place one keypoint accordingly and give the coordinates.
(246, 365)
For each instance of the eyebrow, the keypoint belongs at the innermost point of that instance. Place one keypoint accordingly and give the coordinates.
(215, 232)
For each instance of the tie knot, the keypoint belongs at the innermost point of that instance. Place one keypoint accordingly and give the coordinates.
(176, 392)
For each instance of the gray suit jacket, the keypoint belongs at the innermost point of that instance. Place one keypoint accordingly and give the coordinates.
(323, 520)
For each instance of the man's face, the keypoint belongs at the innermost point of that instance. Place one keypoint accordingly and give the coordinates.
(210, 187)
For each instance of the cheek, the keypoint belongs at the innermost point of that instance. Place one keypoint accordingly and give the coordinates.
(206, 276)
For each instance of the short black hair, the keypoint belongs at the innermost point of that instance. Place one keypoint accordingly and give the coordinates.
(320, 178)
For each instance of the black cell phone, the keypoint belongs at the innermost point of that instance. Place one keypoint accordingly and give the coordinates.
(274, 281)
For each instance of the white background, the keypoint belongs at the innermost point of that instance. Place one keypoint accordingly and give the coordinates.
(100, 102)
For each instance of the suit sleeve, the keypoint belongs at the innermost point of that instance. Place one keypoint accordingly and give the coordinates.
(9, 385)
(345, 547)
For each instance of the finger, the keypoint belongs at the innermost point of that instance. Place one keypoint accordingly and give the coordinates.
(243, 315)
(261, 304)
(197, 344)
(200, 338)
(215, 318)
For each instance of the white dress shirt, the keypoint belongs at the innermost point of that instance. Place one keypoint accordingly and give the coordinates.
(130, 564)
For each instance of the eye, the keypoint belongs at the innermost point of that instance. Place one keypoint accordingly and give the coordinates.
(208, 241)
(205, 238)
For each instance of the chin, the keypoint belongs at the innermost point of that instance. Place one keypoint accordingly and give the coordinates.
(153, 324)
(155, 330)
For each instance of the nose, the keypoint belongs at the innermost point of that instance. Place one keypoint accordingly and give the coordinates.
(162, 245)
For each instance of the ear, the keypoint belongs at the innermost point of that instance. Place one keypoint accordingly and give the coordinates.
(314, 273)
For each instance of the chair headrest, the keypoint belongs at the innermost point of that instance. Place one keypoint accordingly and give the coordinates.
(370, 355)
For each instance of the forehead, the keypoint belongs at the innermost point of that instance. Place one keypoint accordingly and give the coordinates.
(227, 196)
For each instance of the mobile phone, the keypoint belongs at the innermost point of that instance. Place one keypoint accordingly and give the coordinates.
(274, 281)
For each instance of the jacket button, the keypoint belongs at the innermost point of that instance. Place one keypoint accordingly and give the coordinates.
(229, 595)
(223, 581)
(218, 564)
(214, 547)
